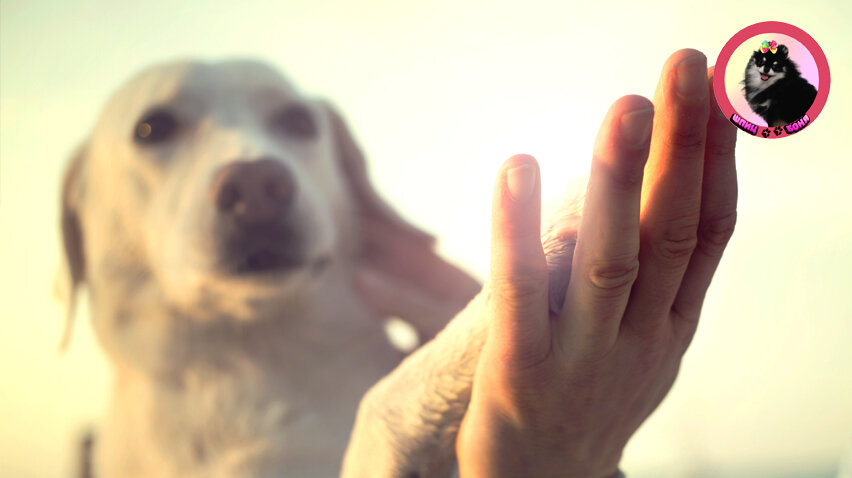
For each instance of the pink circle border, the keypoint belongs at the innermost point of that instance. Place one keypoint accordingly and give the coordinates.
(771, 27)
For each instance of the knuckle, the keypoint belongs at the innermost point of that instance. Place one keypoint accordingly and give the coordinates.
(513, 294)
(686, 141)
(676, 241)
(373, 406)
(647, 364)
(677, 250)
(614, 277)
(685, 326)
(518, 231)
(721, 148)
(626, 175)
(714, 233)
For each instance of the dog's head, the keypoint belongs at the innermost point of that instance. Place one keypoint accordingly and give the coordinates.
(216, 188)
(766, 68)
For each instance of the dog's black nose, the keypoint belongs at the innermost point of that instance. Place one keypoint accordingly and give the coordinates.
(254, 192)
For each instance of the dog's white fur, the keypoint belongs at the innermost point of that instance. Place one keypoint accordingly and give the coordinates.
(217, 374)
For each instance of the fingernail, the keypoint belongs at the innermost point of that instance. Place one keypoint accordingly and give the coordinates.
(692, 76)
(521, 181)
(636, 126)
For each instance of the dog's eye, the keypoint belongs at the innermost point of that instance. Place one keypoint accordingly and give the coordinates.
(294, 121)
(156, 127)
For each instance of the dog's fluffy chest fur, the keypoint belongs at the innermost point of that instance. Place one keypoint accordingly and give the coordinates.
(281, 398)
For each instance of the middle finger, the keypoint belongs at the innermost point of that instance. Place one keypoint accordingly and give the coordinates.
(671, 191)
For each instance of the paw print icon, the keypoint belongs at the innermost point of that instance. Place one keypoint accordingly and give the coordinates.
(778, 130)
(765, 132)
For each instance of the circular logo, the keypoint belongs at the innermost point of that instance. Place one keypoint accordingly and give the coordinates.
(771, 79)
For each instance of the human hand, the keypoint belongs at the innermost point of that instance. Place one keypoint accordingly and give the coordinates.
(561, 394)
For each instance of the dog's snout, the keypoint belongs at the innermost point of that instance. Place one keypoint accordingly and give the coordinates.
(254, 192)
(255, 229)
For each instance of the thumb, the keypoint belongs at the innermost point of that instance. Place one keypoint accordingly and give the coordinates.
(520, 325)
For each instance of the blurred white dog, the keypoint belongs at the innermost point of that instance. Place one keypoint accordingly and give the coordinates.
(240, 267)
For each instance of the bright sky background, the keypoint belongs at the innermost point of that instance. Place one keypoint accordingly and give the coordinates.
(438, 94)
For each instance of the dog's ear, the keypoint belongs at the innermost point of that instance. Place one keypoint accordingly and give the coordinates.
(72, 271)
(782, 49)
(399, 274)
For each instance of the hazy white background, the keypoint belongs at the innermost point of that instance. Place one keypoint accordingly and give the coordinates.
(439, 93)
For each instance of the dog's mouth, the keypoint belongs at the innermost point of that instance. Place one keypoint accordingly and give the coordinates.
(272, 261)
(265, 250)
(261, 255)
(267, 260)
(765, 77)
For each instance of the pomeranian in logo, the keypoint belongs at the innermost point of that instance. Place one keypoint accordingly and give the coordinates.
(774, 87)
